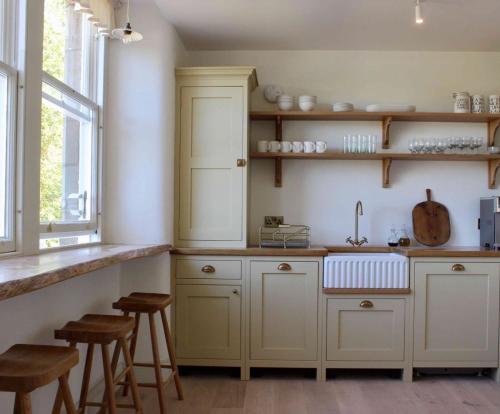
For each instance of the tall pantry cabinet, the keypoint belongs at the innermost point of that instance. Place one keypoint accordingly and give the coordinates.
(212, 155)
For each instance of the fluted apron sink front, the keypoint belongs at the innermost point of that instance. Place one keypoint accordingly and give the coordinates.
(366, 270)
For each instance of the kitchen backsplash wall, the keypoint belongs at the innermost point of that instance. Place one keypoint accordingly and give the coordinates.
(323, 194)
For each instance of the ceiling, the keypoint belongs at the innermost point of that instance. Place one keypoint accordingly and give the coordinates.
(461, 25)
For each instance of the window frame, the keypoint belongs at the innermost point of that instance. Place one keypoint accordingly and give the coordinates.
(58, 228)
(9, 18)
(92, 96)
(8, 243)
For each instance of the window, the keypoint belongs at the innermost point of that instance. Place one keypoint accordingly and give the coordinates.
(69, 166)
(8, 118)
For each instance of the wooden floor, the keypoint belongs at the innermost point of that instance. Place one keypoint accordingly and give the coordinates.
(346, 394)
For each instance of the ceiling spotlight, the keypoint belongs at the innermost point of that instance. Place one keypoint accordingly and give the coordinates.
(418, 13)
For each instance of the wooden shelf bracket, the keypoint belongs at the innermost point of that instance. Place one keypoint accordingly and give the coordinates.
(492, 129)
(386, 169)
(386, 125)
(493, 166)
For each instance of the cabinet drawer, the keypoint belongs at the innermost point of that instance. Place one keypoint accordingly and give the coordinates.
(208, 269)
(368, 329)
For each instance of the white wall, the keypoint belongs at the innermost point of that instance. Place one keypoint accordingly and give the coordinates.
(139, 148)
(323, 194)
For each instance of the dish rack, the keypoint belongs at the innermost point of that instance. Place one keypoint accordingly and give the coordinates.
(285, 236)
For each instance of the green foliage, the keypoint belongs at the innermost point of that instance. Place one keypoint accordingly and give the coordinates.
(51, 179)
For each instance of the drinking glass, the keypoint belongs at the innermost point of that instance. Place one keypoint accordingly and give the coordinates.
(441, 145)
(452, 144)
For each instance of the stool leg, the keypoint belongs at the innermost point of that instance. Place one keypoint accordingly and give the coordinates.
(114, 364)
(171, 355)
(86, 377)
(59, 398)
(66, 393)
(22, 404)
(133, 345)
(131, 376)
(108, 379)
(157, 363)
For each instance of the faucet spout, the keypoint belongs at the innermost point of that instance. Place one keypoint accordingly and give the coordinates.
(357, 212)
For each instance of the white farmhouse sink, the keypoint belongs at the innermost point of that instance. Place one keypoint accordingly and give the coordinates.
(366, 270)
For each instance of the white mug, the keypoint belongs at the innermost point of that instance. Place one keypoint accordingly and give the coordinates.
(494, 104)
(298, 146)
(309, 146)
(320, 146)
(286, 146)
(263, 146)
(462, 102)
(274, 146)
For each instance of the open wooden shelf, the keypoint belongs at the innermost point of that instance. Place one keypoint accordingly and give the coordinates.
(386, 119)
(386, 158)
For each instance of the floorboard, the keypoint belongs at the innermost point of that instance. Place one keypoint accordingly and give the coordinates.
(344, 394)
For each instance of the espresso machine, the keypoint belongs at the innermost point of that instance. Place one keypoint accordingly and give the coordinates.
(489, 223)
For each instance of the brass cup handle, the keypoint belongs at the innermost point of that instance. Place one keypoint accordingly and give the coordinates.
(285, 267)
(208, 269)
(366, 304)
(458, 267)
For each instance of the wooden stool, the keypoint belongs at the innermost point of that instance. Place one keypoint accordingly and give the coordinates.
(102, 330)
(151, 303)
(24, 368)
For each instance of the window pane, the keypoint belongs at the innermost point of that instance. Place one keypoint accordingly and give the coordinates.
(3, 154)
(64, 44)
(66, 191)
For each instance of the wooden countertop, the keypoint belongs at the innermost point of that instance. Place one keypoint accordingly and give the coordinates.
(250, 251)
(420, 251)
(26, 274)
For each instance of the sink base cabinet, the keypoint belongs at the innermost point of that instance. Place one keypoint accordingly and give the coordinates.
(367, 332)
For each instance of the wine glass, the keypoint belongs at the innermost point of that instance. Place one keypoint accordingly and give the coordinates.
(440, 146)
(452, 144)
(461, 143)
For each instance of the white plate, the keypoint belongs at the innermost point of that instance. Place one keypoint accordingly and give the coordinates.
(390, 108)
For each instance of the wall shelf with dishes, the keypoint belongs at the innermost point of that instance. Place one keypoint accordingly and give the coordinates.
(386, 119)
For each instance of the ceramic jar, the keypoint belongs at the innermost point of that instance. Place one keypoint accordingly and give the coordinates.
(494, 102)
(462, 102)
(478, 106)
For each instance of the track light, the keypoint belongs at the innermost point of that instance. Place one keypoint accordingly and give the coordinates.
(418, 13)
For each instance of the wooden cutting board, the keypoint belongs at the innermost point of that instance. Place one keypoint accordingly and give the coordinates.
(431, 222)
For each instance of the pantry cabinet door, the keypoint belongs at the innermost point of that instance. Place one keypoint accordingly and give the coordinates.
(284, 311)
(208, 321)
(211, 190)
(456, 312)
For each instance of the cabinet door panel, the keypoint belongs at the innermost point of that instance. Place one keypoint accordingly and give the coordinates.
(211, 184)
(365, 334)
(208, 321)
(456, 312)
(284, 306)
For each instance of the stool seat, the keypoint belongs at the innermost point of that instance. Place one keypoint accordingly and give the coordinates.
(143, 302)
(98, 329)
(23, 368)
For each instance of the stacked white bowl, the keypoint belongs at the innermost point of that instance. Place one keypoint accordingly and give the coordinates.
(307, 102)
(342, 107)
(285, 102)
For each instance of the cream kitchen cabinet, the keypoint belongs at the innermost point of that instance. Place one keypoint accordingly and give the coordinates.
(456, 314)
(365, 329)
(284, 311)
(208, 322)
(211, 156)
